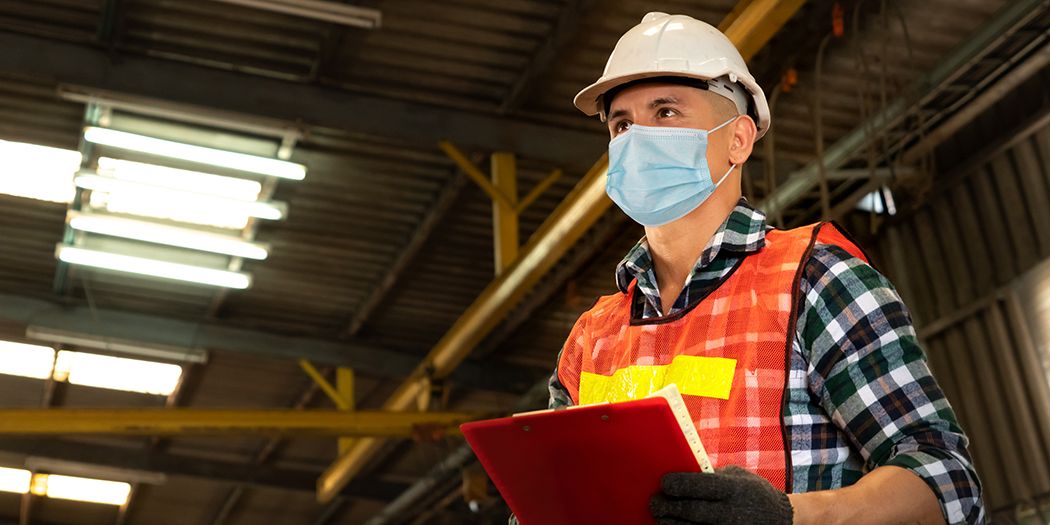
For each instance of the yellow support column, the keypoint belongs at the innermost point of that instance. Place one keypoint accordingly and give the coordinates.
(344, 385)
(504, 211)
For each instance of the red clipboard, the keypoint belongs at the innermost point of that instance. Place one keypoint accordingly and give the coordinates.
(593, 464)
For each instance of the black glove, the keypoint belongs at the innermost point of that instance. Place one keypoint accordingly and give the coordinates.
(729, 496)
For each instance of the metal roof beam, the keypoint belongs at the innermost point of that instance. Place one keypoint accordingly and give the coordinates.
(173, 81)
(571, 17)
(228, 504)
(179, 465)
(371, 360)
(442, 204)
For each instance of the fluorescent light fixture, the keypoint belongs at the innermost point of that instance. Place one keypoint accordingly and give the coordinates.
(141, 266)
(93, 471)
(176, 179)
(14, 480)
(155, 195)
(182, 112)
(38, 485)
(871, 202)
(24, 360)
(38, 172)
(169, 235)
(319, 10)
(178, 150)
(187, 208)
(887, 197)
(117, 373)
(81, 489)
(154, 351)
(879, 201)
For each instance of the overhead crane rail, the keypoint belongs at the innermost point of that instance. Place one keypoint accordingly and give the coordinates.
(189, 422)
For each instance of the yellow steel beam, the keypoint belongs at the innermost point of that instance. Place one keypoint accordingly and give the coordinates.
(758, 22)
(178, 422)
(538, 190)
(733, 15)
(504, 213)
(474, 173)
(326, 387)
(569, 221)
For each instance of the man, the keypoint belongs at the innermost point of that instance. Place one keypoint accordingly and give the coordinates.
(798, 361)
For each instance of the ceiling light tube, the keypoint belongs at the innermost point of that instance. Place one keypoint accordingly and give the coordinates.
(176, 179)
(272, 210)
(15, 480)
(109, 344)
(81, 489)
(18, 359)
(178, 150)
(151, 267)
(319, 10)
(117, 373)
(38, 172)
(168, 235)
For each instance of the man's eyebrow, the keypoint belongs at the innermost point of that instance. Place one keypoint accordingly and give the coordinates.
(657, 102)
(669, 99)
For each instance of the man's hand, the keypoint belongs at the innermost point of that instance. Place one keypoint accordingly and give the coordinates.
(729, 496)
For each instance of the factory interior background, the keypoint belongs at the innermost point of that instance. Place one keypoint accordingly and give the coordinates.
(259, 258)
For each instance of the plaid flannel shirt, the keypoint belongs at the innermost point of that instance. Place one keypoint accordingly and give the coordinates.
(860, 395)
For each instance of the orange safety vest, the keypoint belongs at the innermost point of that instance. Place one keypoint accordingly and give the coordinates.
(728, 354)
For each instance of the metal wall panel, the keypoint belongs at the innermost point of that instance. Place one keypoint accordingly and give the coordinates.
(971, 260)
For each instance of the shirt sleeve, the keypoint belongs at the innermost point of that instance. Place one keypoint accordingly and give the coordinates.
(559, 395)
(869, 374)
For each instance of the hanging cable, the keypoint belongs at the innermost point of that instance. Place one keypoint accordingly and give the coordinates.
(866, 113)
(818, 128)
(788, 80)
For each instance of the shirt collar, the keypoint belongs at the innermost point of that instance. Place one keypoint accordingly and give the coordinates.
(743, 232)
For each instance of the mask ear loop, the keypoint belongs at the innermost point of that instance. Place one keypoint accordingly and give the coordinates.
(722, 125)
(720, 181)
(732, 166)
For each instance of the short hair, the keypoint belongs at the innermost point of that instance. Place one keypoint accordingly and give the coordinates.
(722, 107)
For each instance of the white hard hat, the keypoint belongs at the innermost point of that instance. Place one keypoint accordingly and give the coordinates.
(677, 46)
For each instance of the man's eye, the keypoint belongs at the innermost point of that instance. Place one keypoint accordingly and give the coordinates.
(622, 126)
(665, 112)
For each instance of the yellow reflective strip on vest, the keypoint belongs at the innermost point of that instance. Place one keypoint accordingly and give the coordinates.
(694, 375)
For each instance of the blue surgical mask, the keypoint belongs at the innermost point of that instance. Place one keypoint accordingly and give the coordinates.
(658, 175)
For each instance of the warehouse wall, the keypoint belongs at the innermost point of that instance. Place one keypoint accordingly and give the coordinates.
(971, 260)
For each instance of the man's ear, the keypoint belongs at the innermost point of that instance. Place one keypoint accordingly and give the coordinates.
(743, 140)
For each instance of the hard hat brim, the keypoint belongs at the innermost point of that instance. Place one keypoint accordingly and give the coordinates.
(588, 99)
